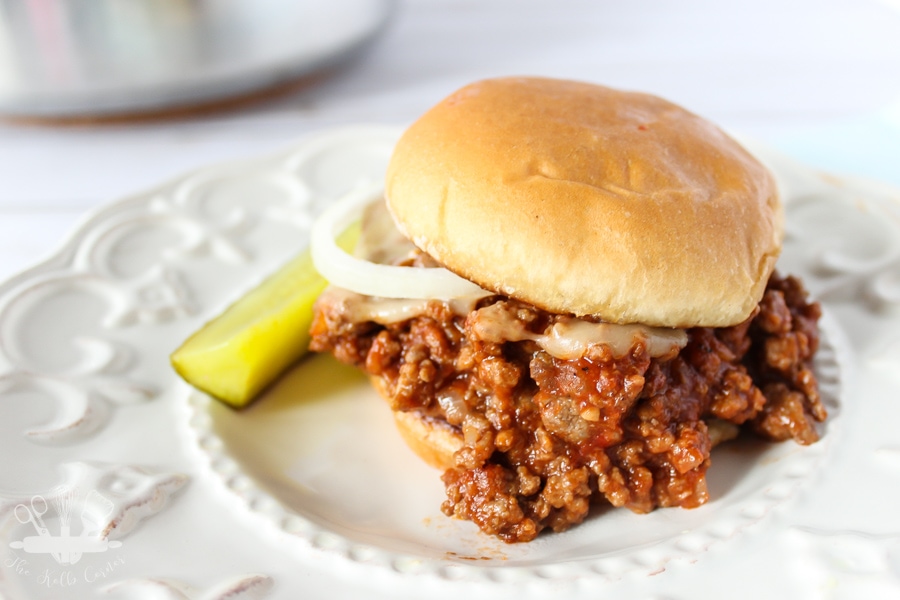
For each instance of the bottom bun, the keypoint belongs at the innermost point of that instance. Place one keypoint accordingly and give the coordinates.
(434, 441)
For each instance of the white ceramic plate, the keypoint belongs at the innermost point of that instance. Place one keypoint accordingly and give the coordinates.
(310, 493)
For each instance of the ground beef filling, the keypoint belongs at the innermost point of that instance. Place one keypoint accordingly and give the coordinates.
(545, 437)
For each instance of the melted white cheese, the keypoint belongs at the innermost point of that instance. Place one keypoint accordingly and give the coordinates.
(568, 338)
(357, 308)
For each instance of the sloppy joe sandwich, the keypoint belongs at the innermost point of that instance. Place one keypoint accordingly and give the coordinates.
(567, 296)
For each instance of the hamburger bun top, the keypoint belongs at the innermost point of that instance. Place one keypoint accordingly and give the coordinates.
(586, 200)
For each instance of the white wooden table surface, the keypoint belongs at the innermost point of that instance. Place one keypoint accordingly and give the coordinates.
(816, 77)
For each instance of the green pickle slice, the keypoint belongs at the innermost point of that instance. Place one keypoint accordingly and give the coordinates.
(239, 353)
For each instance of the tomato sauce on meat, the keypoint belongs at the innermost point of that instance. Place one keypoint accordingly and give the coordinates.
(544, 437)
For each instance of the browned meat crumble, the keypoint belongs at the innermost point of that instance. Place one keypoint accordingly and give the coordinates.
(546, 437)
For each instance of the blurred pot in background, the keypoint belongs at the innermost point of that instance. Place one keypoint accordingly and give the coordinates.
(72, 58)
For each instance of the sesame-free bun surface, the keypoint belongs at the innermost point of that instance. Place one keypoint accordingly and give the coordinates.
(582, 199)
(434, 441)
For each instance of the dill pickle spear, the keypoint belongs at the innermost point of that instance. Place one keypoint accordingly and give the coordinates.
(240, 352)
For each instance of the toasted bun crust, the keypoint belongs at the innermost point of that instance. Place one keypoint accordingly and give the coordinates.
(433, 440)
(582, 199)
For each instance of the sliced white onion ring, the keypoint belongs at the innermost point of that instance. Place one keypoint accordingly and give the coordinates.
(365, 277)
